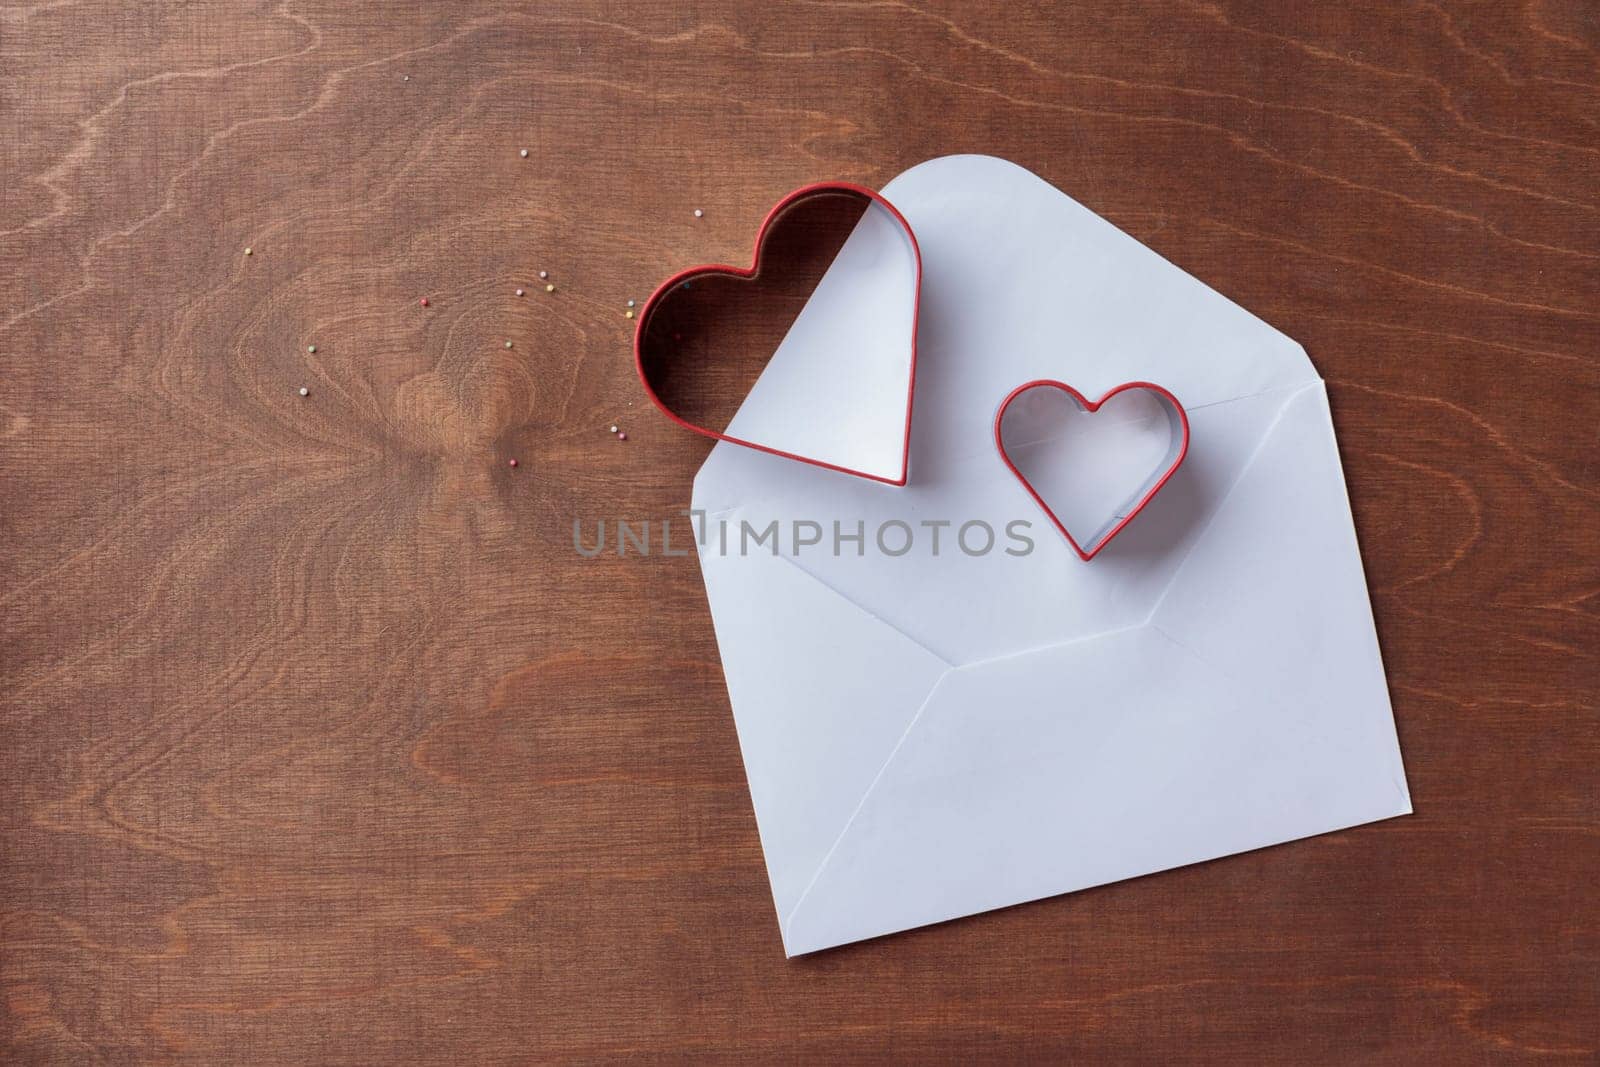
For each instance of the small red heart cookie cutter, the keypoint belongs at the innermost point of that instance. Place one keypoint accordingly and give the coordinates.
(1180, 423)
(805, 192)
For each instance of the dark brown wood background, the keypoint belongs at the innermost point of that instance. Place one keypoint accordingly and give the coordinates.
(319, 743)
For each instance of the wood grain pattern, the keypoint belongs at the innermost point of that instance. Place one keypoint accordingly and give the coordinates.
(318, 742)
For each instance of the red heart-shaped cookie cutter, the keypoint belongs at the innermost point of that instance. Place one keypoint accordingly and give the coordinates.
(750, 273)
(1160, 476)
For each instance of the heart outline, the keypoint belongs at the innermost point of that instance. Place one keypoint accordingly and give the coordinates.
(746, 273)
(1091, 407)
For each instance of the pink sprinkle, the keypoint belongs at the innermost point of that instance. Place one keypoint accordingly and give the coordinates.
(513, 463)
(623, 436)
(424, 301)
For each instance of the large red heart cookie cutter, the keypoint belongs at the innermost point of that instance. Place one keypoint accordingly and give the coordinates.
(1162, 473)
(750, 273)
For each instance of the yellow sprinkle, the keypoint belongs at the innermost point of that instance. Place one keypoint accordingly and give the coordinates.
(249, 251)
(549, 288)
(627, 314)
(311, 348)
(508, 344)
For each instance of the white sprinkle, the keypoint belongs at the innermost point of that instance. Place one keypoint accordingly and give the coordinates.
(405, 77)
(508, 344)
(613, 429)
(699, 214)
(304, 391)
(311, 348)
(630, 303)
(523, 153)
(544, 274)
(519, 292)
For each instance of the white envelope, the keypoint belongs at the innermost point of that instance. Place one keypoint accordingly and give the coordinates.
(932, 735)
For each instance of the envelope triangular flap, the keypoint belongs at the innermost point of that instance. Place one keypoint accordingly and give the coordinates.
(1019, 282)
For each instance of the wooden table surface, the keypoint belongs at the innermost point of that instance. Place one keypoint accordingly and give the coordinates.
(320, 745)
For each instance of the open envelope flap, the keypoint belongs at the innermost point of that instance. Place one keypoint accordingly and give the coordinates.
(1249, 711)
(1019, 283)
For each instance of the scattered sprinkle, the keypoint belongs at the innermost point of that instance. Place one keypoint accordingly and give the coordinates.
(523, 153)
(623, 436)
(311, 348)
(519, 292)
(423, 301)
(699, 214)
(549, 288)
(628, 313)
(508, 344)
(613, 429)
(405, 77)
(544, 274)
(511, 463)
(676, 336)
(630, 303)
(249, 251)
(304, 391)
